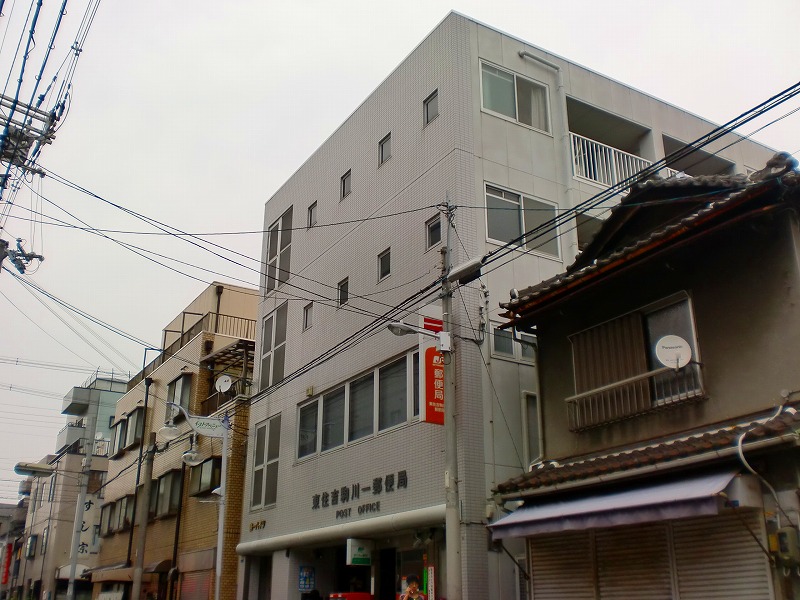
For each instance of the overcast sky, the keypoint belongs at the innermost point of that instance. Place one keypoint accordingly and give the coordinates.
(194, 113)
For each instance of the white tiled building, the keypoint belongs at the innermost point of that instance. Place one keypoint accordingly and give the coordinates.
(512, 136)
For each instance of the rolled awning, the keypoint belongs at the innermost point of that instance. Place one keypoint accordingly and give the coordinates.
(691, 496)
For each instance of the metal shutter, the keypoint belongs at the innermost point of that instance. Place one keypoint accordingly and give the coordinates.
(561, 567)
(196, 585)
(633, 563)
(717, 557)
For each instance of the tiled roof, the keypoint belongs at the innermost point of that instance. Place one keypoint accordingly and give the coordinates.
(719, 206)
(662, 452)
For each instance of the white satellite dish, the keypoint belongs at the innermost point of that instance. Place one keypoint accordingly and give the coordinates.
(673, 351)
(223, 383)
(98, 435)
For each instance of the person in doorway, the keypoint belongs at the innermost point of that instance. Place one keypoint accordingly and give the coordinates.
(412, 589)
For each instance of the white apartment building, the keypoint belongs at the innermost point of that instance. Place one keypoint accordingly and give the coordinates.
(512, 137)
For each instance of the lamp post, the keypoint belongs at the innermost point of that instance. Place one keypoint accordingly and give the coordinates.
(215, 428)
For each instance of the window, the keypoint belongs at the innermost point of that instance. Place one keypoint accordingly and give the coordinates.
(348, 413)
(279, 251)
(205, 477)
(344, 187)
(52, 489)
(509, 215)
(433, 230)
(168, 497)
(362, 407)
(392, 404)
(385, 149)
(265, 463)
(308, 315)
(616, 367)
(45, 535)
(108, 519)
(344, 291)
(430, 107)
(135, 429)
(179, 391)
(504, 345)
(124, 513)
(96, 485)
(273, 347)
(532, 422)
(515, 97)
(30, 546)
(332, 419)
(384, 264)
(312, 215)
(120, 433)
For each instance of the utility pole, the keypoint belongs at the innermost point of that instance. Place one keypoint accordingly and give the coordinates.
(19, 257)
(452, 517)
(88, 445)
(141, 519)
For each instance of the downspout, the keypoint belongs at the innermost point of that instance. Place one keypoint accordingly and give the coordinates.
(148, 381)
(173, 572)
(566, 150)
(219, 291)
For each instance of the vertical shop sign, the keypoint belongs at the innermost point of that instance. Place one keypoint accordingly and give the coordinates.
(432, 375)
(6, 564)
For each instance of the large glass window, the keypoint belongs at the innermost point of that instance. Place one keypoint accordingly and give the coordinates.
(392, 396)
(333, 419)
(168, 496)
(509, 215)
(179, 391)
(279, 251)
(205, 477)
(362, 407)
(515, 97)
(135, 429)
(273, 347)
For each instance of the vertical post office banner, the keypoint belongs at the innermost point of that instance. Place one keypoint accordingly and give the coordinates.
(432, 396)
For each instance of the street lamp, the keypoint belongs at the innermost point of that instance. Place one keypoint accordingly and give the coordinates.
(215, 428)
(27, 469)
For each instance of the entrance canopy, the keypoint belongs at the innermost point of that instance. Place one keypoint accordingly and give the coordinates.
(691, 496)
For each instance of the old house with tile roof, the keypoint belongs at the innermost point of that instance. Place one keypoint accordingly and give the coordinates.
(668, 390)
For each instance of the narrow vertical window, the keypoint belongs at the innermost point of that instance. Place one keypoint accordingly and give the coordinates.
(344, 291)
(312, 215)
(392, 394)
(273, 347)
(279, 251)
(257, 483)
(333, 419)
(385, 149)
(264, 490)
(433, 232)
(430, 107)
(345, 185)
(307, 431)
(533, 426)
(362, 407)
(308, 315)
(384, 264)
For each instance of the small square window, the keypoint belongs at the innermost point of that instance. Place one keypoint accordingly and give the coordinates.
(385, 149)
(308, 315)
(312, 215)
(384, 264)
(344, 291)
(434, 231)
(430, 107)
(503, 342)
(345, 185)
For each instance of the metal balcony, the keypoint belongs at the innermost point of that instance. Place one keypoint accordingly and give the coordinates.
(642, 394)
(603, 164)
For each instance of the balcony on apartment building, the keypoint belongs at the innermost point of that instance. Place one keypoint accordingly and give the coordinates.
(71, 439)
(229, 325)
(607, 150)
(231, 369)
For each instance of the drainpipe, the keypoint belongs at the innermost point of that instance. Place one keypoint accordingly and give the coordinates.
(148, 381)
(566, 150)
(219, 291)
(173, 574)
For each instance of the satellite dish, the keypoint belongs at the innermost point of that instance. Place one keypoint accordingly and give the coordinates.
(673, 351)
(98, 435)
(223, 383)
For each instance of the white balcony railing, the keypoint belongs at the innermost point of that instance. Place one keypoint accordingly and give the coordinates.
(603, 164)
(654, 390)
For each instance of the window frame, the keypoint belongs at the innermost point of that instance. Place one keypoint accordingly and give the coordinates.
(545, 89)
(134, 435)
(180, 387)
(269, 450)
(437, 219)
(523, 245)
(345, 429)
(171, 478)
(386, 254)
(30, 545)
(279, 251)
(196, 475)
(518, 353)
(343, 292)
(45, 536)
(532, 454)
(433, 97)
(311, 215)
(120, 435)
(385, 149)
(346, 184)
(308, 316)
(278, 321)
